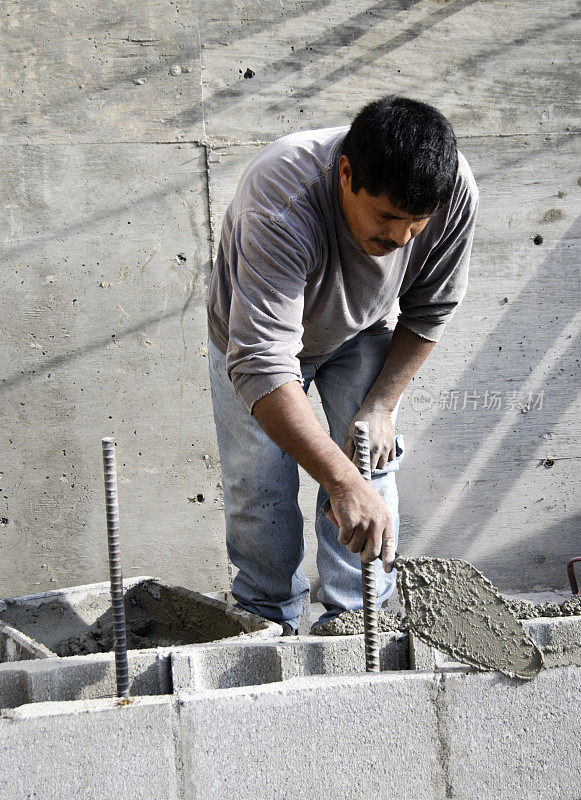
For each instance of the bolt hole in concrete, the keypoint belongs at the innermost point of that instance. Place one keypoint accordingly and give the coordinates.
(79, 623)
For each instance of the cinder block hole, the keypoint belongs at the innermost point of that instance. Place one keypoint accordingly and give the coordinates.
(157, 615)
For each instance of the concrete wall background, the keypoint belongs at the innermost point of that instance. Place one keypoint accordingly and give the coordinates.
(115, 174)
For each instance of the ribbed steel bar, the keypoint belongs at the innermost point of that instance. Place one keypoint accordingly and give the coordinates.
(370, 623)
(119, 627)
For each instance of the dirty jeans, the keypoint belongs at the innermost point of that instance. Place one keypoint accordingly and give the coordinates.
(264, 524)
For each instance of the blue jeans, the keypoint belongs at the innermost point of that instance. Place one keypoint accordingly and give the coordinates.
(264, 524)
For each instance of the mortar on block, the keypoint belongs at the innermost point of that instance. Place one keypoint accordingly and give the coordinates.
(78, 620)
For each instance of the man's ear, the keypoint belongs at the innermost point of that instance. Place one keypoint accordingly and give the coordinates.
(345, 172)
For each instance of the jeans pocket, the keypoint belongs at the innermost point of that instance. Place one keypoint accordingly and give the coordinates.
(393, 465)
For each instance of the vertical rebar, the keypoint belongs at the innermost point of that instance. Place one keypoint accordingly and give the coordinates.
(116, 576)
(370, 623)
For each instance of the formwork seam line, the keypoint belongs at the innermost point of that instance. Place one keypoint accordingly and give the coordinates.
(211, 142)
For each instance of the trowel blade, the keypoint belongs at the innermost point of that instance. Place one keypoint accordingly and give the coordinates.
(450, 605)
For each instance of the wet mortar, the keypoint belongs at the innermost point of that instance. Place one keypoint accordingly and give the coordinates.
(156, 616)
(350, 623)
(524, 609)
(450, 605)
(453, 607)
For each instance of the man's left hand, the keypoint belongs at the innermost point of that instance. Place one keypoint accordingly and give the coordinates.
(381, 436)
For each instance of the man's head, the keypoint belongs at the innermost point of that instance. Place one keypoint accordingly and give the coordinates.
(398, 166)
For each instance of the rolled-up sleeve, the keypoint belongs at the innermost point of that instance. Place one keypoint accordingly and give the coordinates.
(441, 283)
(268, 266)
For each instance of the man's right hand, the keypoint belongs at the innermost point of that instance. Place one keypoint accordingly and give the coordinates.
(365, 522)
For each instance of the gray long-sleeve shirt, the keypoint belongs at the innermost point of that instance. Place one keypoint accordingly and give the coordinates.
(290, 284)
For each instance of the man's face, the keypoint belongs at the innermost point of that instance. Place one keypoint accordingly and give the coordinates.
(376, 224)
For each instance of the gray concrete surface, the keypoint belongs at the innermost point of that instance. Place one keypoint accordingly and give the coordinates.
(513, 742)
(16, 646)
(102, 750)
(292, 718)
(305, 740)
(225, 666)
(243, 662)
(420, 735)
(83, 678)
(79, 620)
(115, 174)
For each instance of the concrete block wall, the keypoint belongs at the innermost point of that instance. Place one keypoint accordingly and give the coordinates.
(248, 662)
(293, 718)
(391, 736)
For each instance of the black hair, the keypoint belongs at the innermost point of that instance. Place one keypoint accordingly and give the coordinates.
(404, 149)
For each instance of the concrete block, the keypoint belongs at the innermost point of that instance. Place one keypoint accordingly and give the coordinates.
(338, 655)
(224, 666)
(82, 678)
(216, 666)
(13, 689)
(44, 618)
(558, 637)
(92, 677)
(79, 620)
(422, 656)
(512, 740)
(15, 646)
(341, 738)
(94, 749)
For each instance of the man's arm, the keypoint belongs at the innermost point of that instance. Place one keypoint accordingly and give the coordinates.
(406, 354)
(365, 523)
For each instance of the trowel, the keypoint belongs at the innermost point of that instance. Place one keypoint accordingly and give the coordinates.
(451, 606)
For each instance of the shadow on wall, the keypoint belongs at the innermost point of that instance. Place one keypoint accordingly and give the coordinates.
(342, 35)
(52, 364)
(533, 547)
(500, 448)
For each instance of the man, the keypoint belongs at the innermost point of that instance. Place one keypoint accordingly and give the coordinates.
(326, 231)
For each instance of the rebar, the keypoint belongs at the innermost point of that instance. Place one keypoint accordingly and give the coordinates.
(115, 573)
(370, 622)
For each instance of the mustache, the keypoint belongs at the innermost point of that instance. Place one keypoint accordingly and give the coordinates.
(386, 242)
